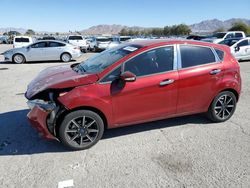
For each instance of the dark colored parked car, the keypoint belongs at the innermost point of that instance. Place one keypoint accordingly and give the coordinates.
(133, 83)
(196, 37)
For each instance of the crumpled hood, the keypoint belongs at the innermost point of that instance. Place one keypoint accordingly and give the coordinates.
(58, 77)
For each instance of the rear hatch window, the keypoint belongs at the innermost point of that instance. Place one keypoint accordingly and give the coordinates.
(75, 38)
(22, 40)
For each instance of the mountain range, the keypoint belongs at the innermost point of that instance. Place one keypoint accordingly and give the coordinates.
(206, 26)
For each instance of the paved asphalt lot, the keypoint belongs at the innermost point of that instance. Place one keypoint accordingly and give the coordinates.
(180, 152)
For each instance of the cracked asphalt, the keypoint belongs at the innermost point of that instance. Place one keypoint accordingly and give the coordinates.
(179, 152)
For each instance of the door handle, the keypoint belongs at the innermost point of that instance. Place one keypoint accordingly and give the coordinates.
(215, 71)
(166, 82)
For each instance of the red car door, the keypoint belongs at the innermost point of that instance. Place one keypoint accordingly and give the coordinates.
(154, 94)
(199, 78)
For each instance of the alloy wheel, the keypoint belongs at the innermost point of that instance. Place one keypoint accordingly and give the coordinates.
(224, 107)
(18, 59)
(82, 131)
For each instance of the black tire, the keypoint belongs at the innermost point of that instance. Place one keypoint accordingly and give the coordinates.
(18, 59)
(222, 107)
(77, 135)
(65, 54)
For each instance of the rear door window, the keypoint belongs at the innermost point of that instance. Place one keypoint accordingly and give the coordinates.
(238, 35)
(55, 44)
(39, 45)
(196, 55)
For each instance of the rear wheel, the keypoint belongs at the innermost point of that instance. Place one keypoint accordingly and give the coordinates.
(222, 107)
(65, 57)
(81, 129)
(18, 59)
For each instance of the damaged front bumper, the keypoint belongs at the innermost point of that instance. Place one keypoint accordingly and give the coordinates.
(41, 116)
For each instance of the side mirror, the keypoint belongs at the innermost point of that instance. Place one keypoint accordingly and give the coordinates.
(128, 76)
(237, 48)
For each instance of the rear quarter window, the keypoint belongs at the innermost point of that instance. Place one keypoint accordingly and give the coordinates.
(220, 54)
(196, 55)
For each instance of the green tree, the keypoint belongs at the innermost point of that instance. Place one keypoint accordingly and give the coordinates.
(221, 29)
(166, 30)
(240, 26)
(30, 32)
(123, 32)
(157, 31)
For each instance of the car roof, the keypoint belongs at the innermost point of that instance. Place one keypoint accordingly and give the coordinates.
(151, 43)
(22, 37)
(51, 41)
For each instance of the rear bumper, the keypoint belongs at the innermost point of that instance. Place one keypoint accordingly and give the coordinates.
(38, 119)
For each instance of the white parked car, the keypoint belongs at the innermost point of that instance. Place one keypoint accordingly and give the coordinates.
(22, 41)
(241, 49)
(43, 51)
(220, 36)
(92, 43)
(104, 43)
(78, 40)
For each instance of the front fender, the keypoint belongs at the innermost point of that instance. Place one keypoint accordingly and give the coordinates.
(88, 96)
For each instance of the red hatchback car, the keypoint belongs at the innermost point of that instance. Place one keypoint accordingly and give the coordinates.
(134, 83)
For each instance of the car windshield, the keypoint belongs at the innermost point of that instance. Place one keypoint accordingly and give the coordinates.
(75, 38)
(103, 60)
(219, 35)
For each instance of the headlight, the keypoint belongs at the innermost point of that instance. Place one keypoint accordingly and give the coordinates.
(47, 106)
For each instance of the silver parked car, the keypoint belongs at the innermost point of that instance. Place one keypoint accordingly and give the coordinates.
(43, 51)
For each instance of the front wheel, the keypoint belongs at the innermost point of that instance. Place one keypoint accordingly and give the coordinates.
(223, 107)
(81, 129)
(18, 59)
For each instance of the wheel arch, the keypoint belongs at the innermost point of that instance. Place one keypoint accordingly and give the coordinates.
(233, 91)
(65, 52)
(20, 53)
(65, 112)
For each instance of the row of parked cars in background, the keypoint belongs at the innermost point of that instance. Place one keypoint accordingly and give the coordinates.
(236, 40)
(46, 48)
(70, 47)
(85, 44)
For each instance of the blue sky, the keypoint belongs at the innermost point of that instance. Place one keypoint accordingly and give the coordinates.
(65, 15)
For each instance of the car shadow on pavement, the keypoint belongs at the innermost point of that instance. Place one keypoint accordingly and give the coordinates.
(17, 137)
(160, 124)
